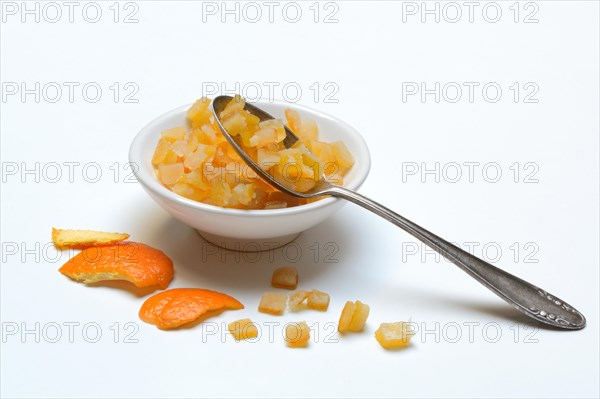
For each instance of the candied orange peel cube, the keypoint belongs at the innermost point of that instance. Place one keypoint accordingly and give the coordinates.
(354, 317)
(178, 306)
(394, 335)
(285, 277)
(243, 329)
(84, 238)
(174, 134)
(314, 299)
(346, 317)
(359, 317)
(297, 299)
(272, 303)
(297, 334)
(138, 263)
(199, 113)
(318, 300)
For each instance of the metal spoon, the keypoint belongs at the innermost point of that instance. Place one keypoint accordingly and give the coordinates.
(526, 297)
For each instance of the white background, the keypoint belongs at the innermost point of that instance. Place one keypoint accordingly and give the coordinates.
(170, 55)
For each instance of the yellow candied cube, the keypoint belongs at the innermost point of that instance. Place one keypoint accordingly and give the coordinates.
(199, 113)
(180, 148)
(266, 159)
(297, 299)
(342, 156)
(243, 193)
(262, 137)
(285, 277)
(323, 151)
(183, 189)
(174, 134)
(308, 131)
(160, 153)
(318, 300)
(234, 123)
(275, 124)
(192, 142)
(297, 334)
(236, 104)
(293, 120)
(243, 329)
(170, 174)
(205, 134)
(394, 335)
(197, 180)
(272, 303)
(289, 168)
(252, 121)
(359, 317)
(303, 184)
(202, 154)
(346, 317)
(311, 161)
(220, 192)
(353, 317)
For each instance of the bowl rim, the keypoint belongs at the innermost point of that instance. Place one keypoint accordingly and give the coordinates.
(151, 183)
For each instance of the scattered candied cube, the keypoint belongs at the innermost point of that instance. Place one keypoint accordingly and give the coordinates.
(354, 317)
(318, 300)
(285, 277)
(394, 335)
(346, 317)
(359, 318)
(272, 303)
(297, 334)
(296, 299)
(243, 329)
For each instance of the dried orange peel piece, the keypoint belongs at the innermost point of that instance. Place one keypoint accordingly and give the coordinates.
(394, 335)
(178, 306)
(354, 317)
(85, 238)
(138, 263)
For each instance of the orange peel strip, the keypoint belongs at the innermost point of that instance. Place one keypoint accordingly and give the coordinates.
(84, 238)
(138, 263)
(178, 306)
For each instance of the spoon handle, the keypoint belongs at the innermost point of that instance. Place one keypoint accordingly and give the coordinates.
(526, 297)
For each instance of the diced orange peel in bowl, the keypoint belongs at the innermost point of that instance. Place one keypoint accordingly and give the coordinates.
(138, 263)
(204, 167)
(178, 306)
(84, 238)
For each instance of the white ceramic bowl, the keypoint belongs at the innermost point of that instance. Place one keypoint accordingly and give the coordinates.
(248, 230)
